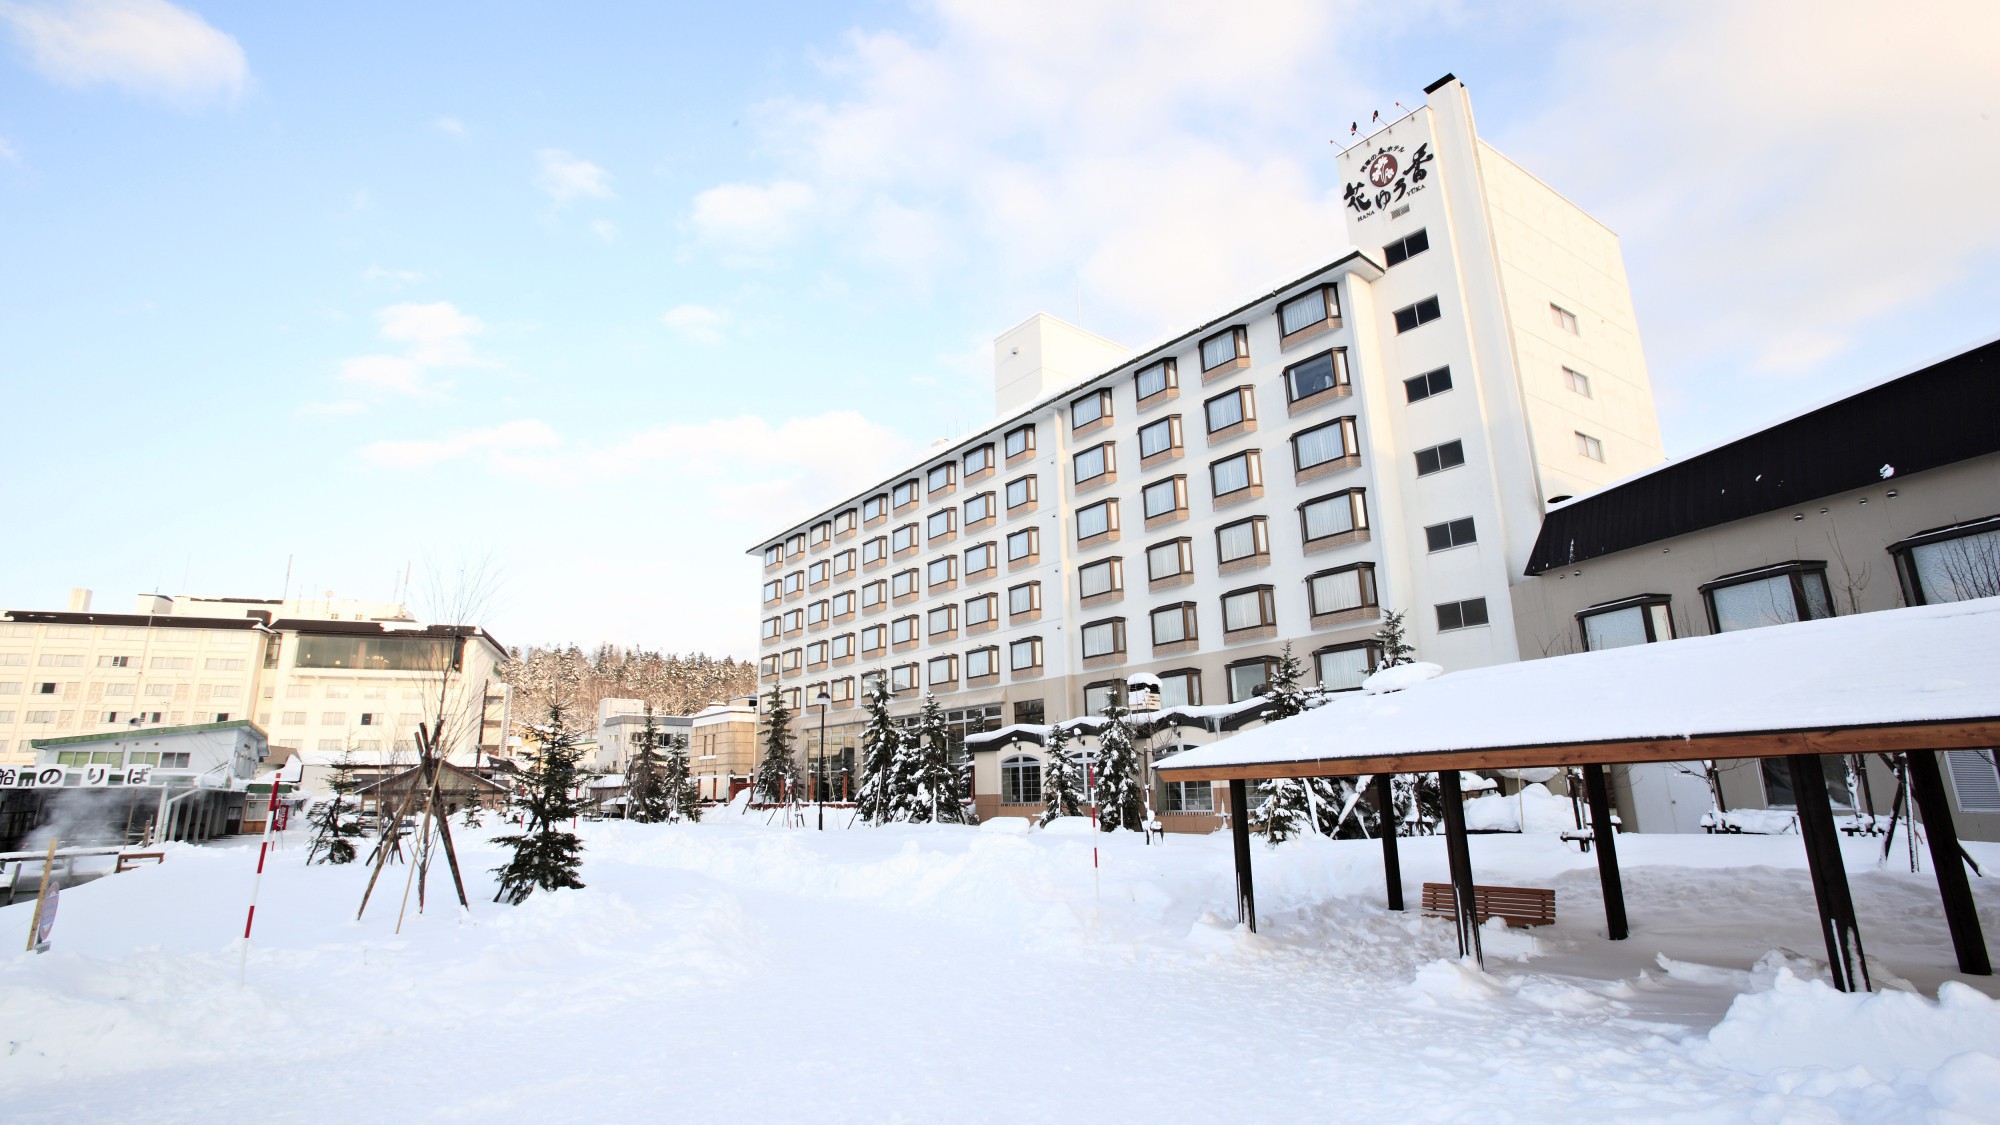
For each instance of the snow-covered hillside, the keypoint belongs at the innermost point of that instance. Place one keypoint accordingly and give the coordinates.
(731, 970)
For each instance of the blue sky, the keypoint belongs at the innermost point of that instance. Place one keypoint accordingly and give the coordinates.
(605, 293)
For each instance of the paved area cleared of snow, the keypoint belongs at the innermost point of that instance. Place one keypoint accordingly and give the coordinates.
(732, 970)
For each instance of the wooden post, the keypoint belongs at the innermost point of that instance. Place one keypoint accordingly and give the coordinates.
(1927, 786)
(1392, 862)
(1460, 855)
(1603, 834)
(1829, 875)
(1239, 831)
(41, 895)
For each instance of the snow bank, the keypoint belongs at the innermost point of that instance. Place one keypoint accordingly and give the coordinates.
(1399, 676)
(1533, 809)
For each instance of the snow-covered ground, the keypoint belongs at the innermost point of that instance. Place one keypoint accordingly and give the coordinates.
(731, 970)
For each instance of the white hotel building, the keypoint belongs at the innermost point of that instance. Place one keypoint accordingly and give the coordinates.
(1380, 432)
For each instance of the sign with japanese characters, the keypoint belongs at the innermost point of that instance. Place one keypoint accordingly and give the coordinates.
(1391, 175)
(30, 777)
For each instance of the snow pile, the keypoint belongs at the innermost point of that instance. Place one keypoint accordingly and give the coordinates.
(1533, 809)
(1399, 676)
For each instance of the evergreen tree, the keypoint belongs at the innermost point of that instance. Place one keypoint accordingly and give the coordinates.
(1062, 780)
(681, 791)
(933, 795)
(1121, 786)
(1294, 806)
(876, 801)
(1395, 646)
(472, 814)
(776, 768)
(646, 797)
(546, 854)
(330, 822)
(1411, 791)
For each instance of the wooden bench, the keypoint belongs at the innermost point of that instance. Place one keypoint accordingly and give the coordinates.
(1518, 906)
(128, 860)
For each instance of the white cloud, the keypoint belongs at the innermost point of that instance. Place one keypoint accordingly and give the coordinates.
(699, 323)
(453, 126)
(751, 219)
(507, 447)
(566, 178)
(147, 47)
(604, 229)
(433, 336)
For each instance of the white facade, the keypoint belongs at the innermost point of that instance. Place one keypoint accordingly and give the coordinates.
(1466, 266)
(620, 725)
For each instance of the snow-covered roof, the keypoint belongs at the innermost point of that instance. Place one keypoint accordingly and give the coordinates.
(1223, 716)
(1928, 664)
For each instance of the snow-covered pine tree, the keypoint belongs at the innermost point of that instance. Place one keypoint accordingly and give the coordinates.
(1294, 806)
(681, 791)
(646, 797)
(1412, 791)
(1394, 644)
(881, 745)
(330, 821)
(1062, 778)
(546, 854)
(933, 796)
(473, 814)
(776, 767)
(1121, 795)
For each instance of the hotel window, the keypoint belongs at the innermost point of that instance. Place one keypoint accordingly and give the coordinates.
(1181, 688)
(905, 493)
(1308, 310)
(1326, 516)
(875, 550)
(1024, 599)
(126, 661)
(1163, 436)
(1324, 443)
(1344, 588)
(1252, 608)
(796, 545)
(816, 613)
(981, 610)
(978, 508)
(1092, 407)
(1020, 490)
(842, 646)
(792, 658)
(1155, 379)
(903, 583)
(1173, 623)
(822, 533)
(1950, 564)
(1165, 497)
(1097, 519)
(1411, 316)
(1105, 637)
(1231, 408)
(795, 620)
(1021, 781)
(1438, 458)
(1187, 796)
(943, 619)
(844, 522)
(1094, 462)
(979, 559)
(940, 524)
(1225, 347)
(1241, 540)
(942, 670)
(816, 652)
(1427, 385)
(903, 677)
(1234, 474)
(1323, 372)
(874, 638)
(874, 508)
(903, 630)
(843, 563)
(903, 538)
(939, 478)
(1467, 614)
(1024, 544)
(1563, 318)
(873, 682)
(1406, 247)
(1247, 676)
(1020, 441)
(1100, 696)
(1445, 536)
(771, 628)
(774, 554)
(819, 572)
(1777, 595)
(771, 590)
(1587, 446)
(842, 689)
(874, 594)
(1024, 654)
(982, 662)
(1627, 621)
(941, 571)
(978, 459)
(1104, 577)
(1343, 667)
(1576, 381)
(795, 582)
(1170, 559)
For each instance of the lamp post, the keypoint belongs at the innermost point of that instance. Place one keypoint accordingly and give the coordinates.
(823, 701)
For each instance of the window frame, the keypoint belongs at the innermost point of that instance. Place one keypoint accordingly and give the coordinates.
(1185, 558)
(1564, 319)
(1034, 590)
(1246, 413)
(1102, 396)
(950, 471)
(1343, 379)
(1460, 607)
(1114, 570)
(984, 451)
(1642, 602)
(1027, 435)
(1032, 536)
(1241, 349)
(1428, 380)
(1267, 608)
(1350, 443)
(1034, 646)
(1416, 314)
(1794, 570)
(1589, 448)
(1260, 534)
(992, 655)
(950, 564)
(1107, 464)
(1171, 423)
(1185, 613)
(1439, 451)
(1399, 251)
(1364, 572)
(1253, 473)
(1357, 515)
(1329, 295)
(992, 553)
(1177, 485)
(1371, 649)
(1169, 381)
(1903, 551)
(1450, 531)
(1116, 627)
(1029, 486)
(1266, 663)
(1109, 506)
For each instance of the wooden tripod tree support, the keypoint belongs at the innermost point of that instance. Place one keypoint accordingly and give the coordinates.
(430, 763)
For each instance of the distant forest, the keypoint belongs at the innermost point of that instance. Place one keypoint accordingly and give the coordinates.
(673, 683)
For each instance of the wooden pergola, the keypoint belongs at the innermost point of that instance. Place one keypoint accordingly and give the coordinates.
(1911, 681)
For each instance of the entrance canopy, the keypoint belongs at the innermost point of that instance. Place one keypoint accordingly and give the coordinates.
(1923, 678)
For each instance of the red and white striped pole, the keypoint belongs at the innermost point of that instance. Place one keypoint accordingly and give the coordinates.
(263, 850)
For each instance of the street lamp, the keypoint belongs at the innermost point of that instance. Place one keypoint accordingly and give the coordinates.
(823, 701)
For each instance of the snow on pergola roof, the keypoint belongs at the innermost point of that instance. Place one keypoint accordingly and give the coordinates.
(1927, 677)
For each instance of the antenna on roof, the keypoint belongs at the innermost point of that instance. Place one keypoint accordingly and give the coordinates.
(287, 591)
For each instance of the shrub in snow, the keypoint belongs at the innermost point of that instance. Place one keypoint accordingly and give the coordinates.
(329, 819)
(1121, 790)
(1062, 781)
(881, 746)
(546, 855)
